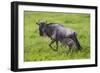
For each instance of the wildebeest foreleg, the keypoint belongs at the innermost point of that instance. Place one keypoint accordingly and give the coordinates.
(51, 44)
(56, 45)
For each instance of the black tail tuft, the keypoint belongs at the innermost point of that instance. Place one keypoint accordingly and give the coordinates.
(77, 42)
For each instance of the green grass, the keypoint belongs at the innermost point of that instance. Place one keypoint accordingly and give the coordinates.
(36, 48)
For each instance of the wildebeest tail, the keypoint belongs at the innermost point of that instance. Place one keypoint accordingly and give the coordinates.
(76, 41)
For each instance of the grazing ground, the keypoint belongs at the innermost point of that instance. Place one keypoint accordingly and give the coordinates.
(36, 48)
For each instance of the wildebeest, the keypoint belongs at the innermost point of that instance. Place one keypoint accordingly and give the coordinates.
(58, 33)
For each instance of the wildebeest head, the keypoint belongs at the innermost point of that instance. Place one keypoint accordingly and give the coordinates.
(42, 25)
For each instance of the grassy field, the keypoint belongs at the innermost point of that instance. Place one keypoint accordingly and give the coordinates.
(36, 48)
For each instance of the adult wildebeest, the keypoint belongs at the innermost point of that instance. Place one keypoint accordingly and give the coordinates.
(58, 33)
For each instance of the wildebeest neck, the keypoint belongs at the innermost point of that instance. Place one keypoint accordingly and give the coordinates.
(49, 30)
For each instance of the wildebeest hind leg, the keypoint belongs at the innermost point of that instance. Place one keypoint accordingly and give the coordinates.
(69, 50)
